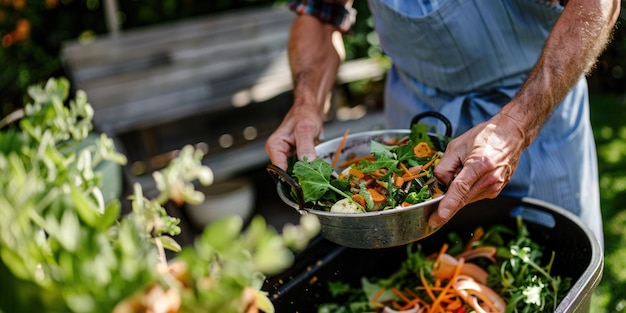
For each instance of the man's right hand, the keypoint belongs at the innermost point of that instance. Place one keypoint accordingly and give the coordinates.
(315, 51)
(298, 133)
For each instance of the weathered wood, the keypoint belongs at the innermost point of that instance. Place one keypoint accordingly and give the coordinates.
(148, 76)
(158, 88)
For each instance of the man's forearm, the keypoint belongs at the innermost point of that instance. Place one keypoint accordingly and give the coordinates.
(577, 39)
(315, 53)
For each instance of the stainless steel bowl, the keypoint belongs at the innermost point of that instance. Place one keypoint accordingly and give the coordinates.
(371, 230)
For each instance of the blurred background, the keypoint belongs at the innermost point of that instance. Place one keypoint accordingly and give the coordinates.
(165, 73)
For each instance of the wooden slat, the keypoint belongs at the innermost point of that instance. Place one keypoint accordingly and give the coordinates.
(246, 56)
(164, 37)
(148, 76)
(159, 87)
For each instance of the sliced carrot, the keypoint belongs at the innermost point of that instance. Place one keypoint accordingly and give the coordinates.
(411, 293)
(378, 173)
(437, 192)
(409, 304)
(422, 150)
(406, 170)
(374, 300)
(444, 248)
(488, 252)
(376, 196)
(356, 173)
(457, 271)
(418, 171)
(417, 300)
(395, 305)
(412, 177)
(359, 199)
(431, 162)
(454, 304)
(340, 148)
(356, 160)
(400, 295)
(398, 181)
(478, 233)
(426, 286)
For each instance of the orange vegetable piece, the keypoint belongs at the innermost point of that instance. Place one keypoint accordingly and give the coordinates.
(376, 196)
(359, 199)
(437, 192)
(340, 148)
(422, 150)
(398, 181)
(356, 160)
(356, 173)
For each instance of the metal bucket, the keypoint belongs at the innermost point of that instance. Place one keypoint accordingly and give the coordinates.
(370, 230)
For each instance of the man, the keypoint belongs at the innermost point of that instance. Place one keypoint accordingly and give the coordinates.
(509, 74)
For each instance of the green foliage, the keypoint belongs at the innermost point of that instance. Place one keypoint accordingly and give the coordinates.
(64, 249)
(517, 275)
(61, 248)
(238, 259)
(608, 120)
(33, 56)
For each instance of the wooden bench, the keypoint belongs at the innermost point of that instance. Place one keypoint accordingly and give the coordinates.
(219, 82)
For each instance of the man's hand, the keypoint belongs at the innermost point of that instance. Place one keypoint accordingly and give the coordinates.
(478, 164)
(298, 133)
(315, 52)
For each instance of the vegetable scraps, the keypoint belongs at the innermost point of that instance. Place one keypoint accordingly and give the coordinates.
(397, 173)
(487, 274)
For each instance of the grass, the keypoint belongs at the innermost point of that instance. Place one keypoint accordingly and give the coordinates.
(608, 115)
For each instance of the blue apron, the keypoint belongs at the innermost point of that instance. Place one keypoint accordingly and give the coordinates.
(466, 59)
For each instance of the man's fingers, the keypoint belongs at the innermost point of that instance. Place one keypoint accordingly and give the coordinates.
(306, 134)
(456, 197)
(306, 148)
(467, 187)
(278, 149)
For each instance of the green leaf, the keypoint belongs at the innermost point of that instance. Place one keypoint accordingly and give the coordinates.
(271, 256)
(111, 214)
(419, 133)
(169, 243)
(418, 197)
(223, 231)
(381, 163)
(16, 265)
(314, 178)
(84, 206)
(264, 303)
(381, 150)
(68, 232)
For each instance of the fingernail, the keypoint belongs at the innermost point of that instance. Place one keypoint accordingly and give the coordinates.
(444, 213)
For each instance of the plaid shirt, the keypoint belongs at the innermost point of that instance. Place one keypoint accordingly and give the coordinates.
(328, 11)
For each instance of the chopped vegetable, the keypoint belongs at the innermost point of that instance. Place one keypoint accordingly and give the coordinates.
(485, 276)
(396, 173)
(341, 144)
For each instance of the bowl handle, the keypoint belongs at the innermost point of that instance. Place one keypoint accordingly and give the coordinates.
(278, 174)
(434, 114)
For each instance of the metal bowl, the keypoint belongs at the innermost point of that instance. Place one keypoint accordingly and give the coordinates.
(370, 230)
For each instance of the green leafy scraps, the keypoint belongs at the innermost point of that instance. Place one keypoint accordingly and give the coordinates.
(315, 179)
